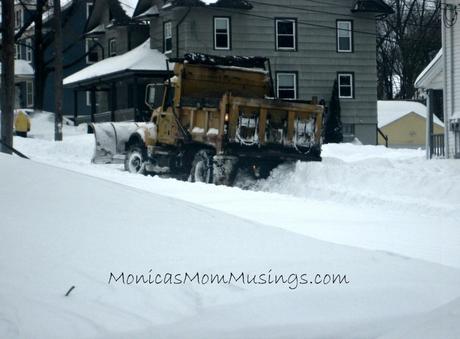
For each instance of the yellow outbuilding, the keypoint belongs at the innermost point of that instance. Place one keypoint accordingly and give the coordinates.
(404, 122)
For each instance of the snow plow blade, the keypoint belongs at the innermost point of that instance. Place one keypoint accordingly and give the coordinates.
(110, 140)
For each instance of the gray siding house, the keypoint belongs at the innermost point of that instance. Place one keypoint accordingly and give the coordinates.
(310, 44)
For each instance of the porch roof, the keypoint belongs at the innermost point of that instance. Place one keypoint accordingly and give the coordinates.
(140, 60)
(431, 77)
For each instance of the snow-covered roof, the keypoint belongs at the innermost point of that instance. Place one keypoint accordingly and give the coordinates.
(389, 111)
(129, 6)
(152, 11)
(240, 4)
(142, 58)
(431, 76)
(49, 13)
(22, 69)
(97, 30)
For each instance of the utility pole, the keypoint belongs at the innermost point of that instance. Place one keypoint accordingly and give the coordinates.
(58, 65)
(39, 62)
(7, 79)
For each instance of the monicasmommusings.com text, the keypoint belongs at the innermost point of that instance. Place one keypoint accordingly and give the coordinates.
(292, 280)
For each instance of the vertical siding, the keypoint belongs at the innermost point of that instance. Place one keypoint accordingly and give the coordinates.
(452, 73)
(315, 61)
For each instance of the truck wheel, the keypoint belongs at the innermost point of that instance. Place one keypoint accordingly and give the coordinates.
(202, 167)
(134, 161)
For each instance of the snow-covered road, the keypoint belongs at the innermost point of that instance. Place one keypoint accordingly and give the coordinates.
(364, 196)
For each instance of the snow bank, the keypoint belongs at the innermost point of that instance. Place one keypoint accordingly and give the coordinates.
(374, 176)
(62, 229)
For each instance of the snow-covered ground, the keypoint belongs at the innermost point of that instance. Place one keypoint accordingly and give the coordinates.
(385, 218)
(366, 196)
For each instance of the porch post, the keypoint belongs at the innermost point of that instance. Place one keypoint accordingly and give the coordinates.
(113, 100)
(429, 124)
(93, 104)
(75, 106)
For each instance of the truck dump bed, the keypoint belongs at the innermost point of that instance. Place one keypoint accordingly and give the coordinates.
(227, 106)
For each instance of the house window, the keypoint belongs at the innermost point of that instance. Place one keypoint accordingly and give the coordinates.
(344, 36)
(112, 47)
(17, 51)
(167, 37)
(29, 49)
(222, 33)
(286, 85)
(18, 18)
(286, 34)
(29, 93)
(346, 86)
(89, 9)
(348, 129)
(91, 51)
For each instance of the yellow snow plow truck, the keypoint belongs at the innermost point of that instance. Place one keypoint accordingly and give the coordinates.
(218, 115)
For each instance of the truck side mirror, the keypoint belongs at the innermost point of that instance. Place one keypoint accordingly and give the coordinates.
(150, 95)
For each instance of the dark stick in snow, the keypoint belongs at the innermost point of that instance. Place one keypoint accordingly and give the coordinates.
(69, 291)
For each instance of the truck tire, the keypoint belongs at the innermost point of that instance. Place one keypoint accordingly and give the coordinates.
(135, 160)
(202, 167)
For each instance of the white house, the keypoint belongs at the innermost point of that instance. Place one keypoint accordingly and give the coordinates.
(444, 73)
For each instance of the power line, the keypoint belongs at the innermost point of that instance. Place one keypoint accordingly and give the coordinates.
(324, 12)
(348, 7)
(301, 22)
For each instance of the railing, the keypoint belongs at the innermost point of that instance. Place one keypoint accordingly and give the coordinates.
(385, 137)
(437, 145)
(126, 114)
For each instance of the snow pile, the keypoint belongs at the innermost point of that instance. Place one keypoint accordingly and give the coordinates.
(42, 125)
(62, 229)
(414, 183)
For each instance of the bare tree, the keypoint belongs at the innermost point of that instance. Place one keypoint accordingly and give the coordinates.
(7, 84)
(406, 43)
(58, 64)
